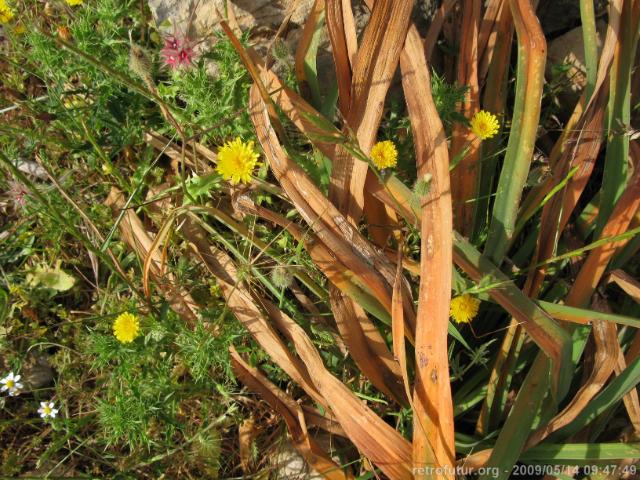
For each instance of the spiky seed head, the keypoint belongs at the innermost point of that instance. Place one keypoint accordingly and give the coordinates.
(140, 64)
(281, 276)
(423, 185)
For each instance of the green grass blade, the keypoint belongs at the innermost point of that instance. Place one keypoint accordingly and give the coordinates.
(589, 36)
(4, 304)
(626, 254)
(580, 315)
(580, 453)
(612, 393)
(614, 178)
(310, 64)
(522, 220)
(598, 243)
(526, 115)
(517, 428)
(477, 396)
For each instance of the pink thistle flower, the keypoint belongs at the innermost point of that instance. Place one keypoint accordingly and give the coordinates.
(171, 43)
(18, 193)
(185, 57)
(170, 58)
(177, 52)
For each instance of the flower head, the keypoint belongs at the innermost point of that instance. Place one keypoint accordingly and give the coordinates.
(64, 32)
(485, 124)
(177, 52)
(464, 308)
(18, 193)
(6, 14)
(11, 384)
(185, 56)
(126, 327)
(423, 185)
(281, 276)
(384, 154)
(73, 3)
(172, 43)
(47, 410)
(236, 161)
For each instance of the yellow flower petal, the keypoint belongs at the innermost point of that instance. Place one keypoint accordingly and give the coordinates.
(6, 14)
(384, 154)
(464, 308)
(236, 161)
(73, 3)
(485, 124)
(126, 327)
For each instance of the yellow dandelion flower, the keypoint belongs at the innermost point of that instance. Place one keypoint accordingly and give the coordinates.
(384, 154)
(464, 308)
(236, 161)
(20, 29)
(6, 14)
(73, 3)
(485, 124)
(126, 327)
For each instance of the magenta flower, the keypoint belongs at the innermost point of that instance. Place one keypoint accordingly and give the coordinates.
(18, 193)
(170, 58)
(171, 43)
(177, 52)
(185, 56)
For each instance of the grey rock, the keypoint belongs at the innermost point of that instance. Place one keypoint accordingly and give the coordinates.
(32, 168)
(569, 49)
(36, 371)
(289, 464)
(249, 13)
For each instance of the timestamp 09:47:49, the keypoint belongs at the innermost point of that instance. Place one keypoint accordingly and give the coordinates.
(538, 469)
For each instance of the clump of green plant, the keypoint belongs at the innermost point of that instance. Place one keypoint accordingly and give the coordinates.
(82, 115)
(211, 95)
(163, 248)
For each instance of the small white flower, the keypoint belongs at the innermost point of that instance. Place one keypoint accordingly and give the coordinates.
(46, 410)
(11, 384)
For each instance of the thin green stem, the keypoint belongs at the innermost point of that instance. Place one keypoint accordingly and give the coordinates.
(590, 40)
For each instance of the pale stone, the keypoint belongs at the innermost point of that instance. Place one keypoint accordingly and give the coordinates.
(569, 49)
(249, 13)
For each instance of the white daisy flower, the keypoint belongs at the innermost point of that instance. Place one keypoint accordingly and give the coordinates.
(11, 384)
(46, 410)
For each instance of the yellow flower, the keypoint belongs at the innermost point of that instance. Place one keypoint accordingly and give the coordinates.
(464, 308)
(236, 161)
(126, 327)
(107, 168)
(73, 3)
(6, 14)
(485, 124)
(384, 154)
